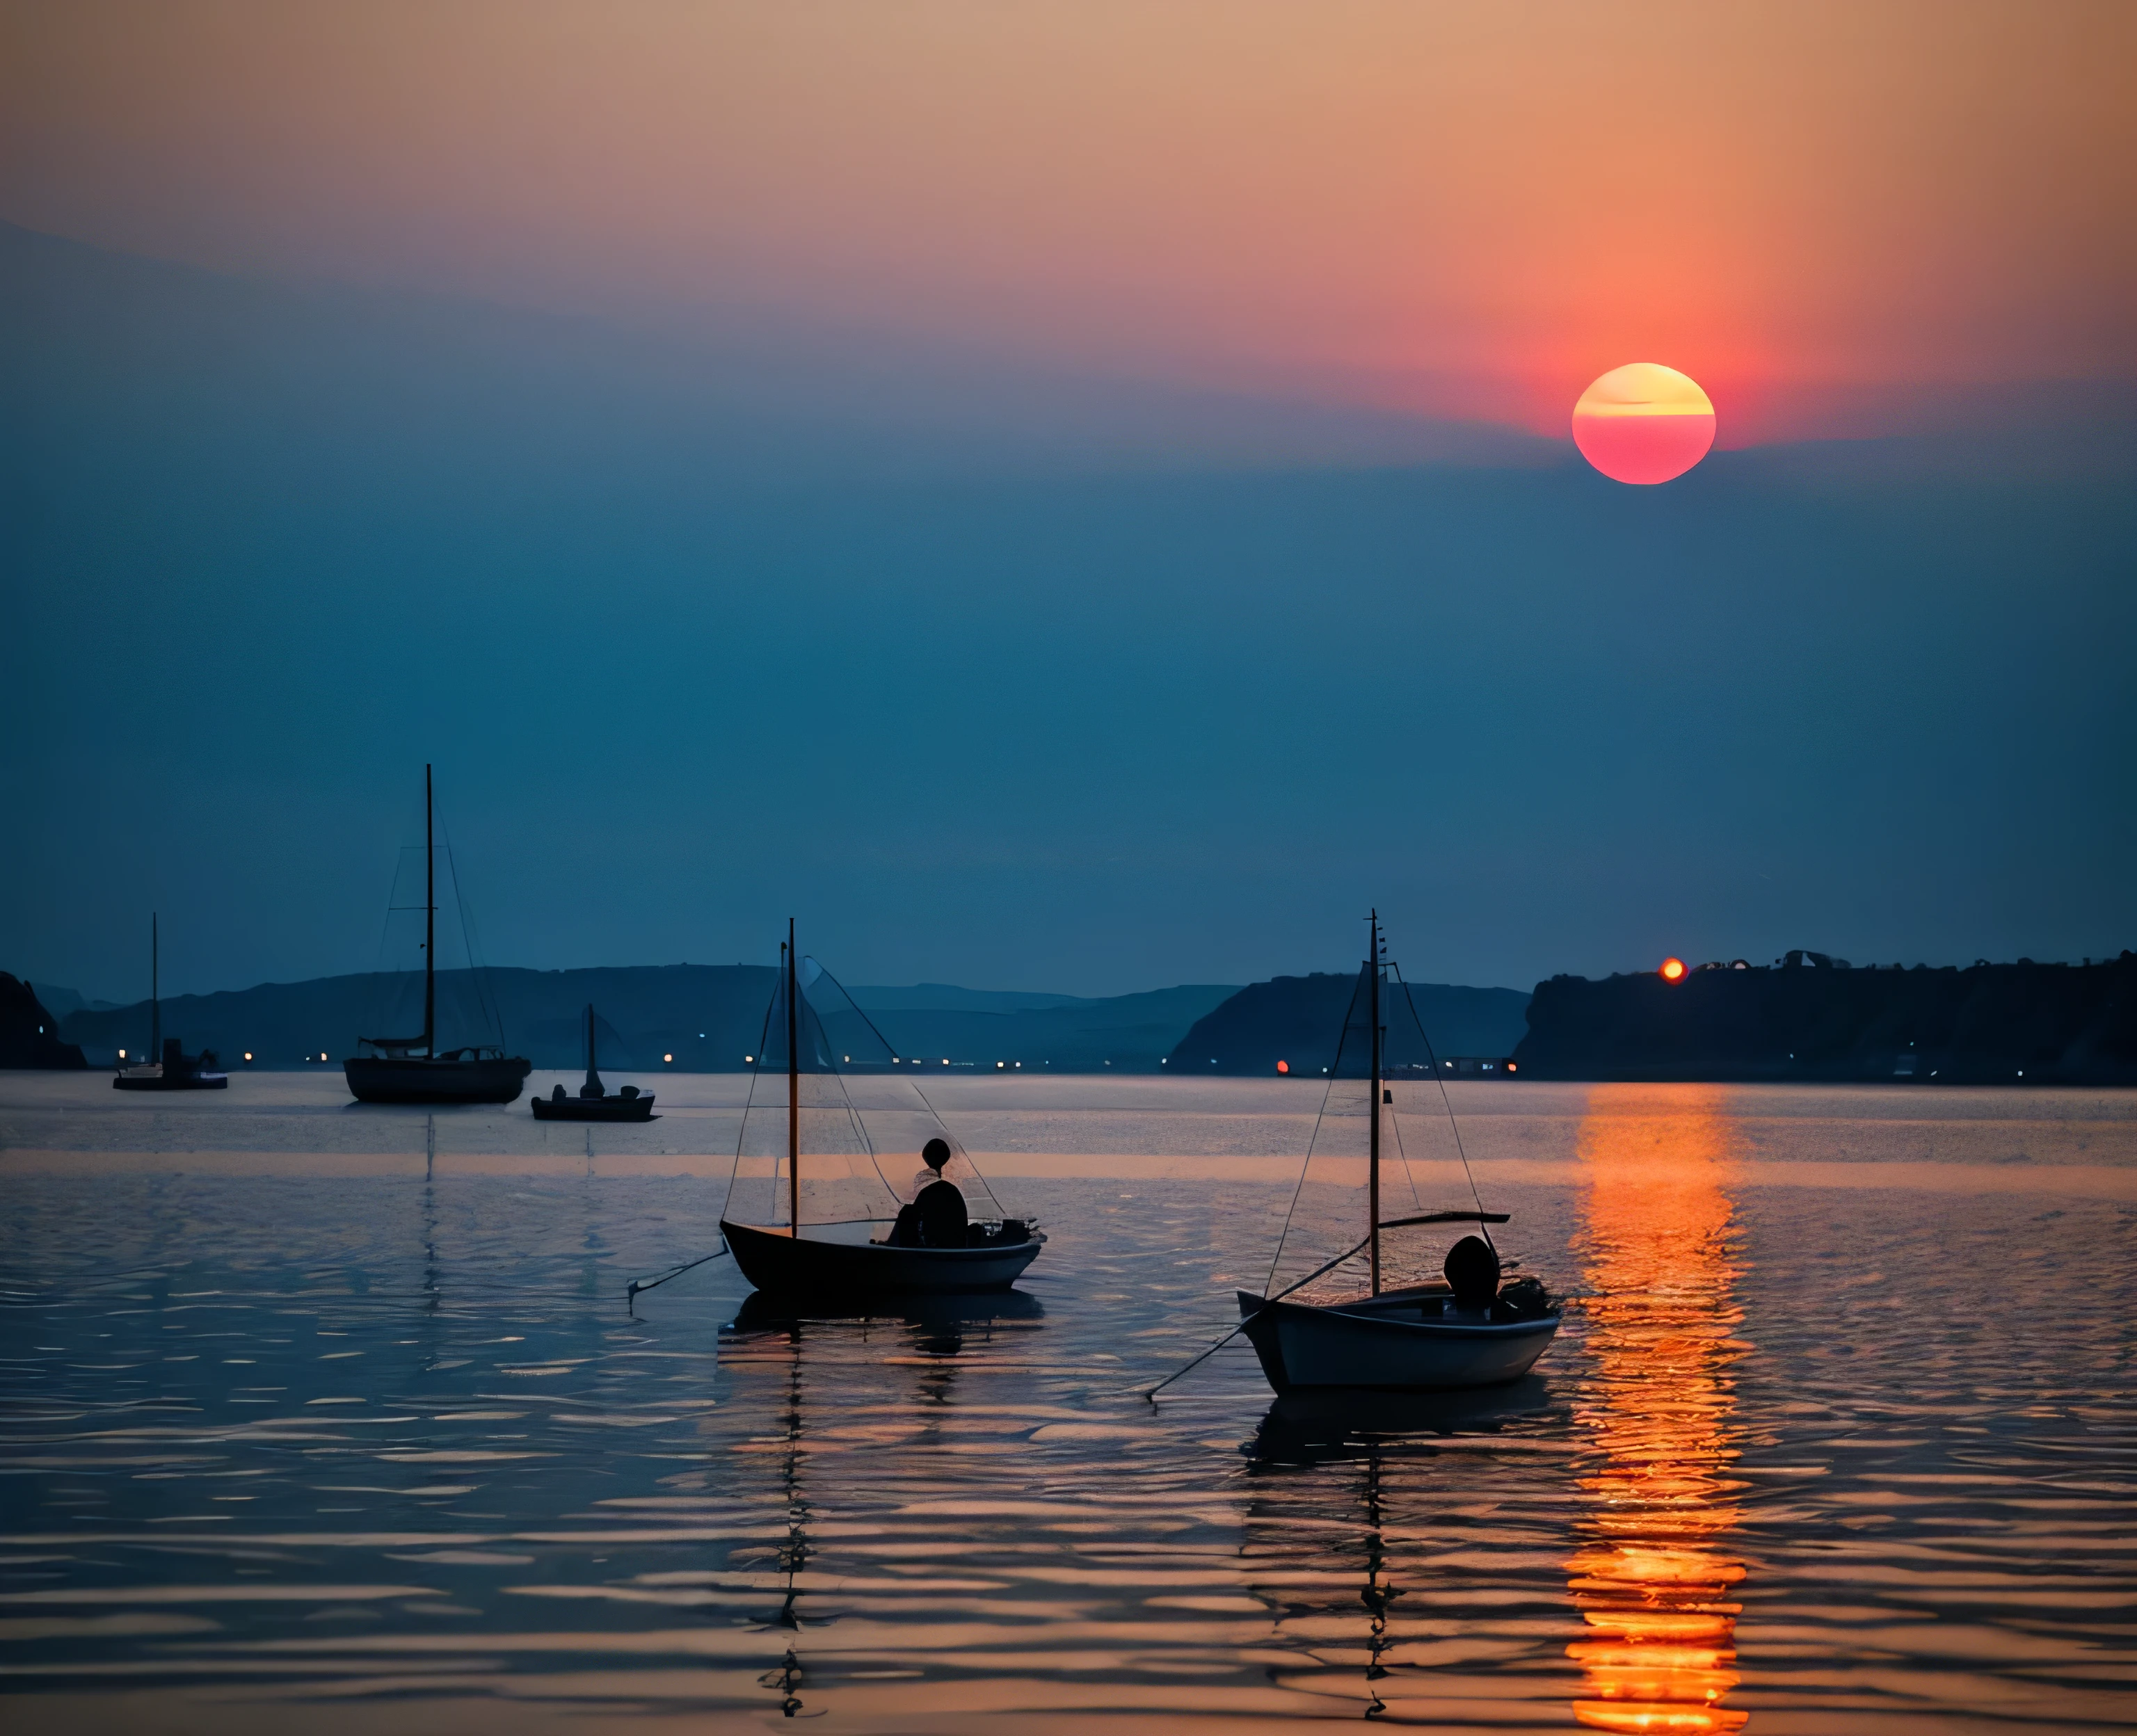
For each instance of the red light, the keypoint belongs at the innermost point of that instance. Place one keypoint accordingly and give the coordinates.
(1673, 970)
(1283, 1066)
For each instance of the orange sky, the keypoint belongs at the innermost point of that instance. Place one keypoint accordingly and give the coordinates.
(1811, 208)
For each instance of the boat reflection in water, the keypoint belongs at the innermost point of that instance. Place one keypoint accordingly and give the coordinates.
(1653, 1577)
(773, 1337)
(1357, 1500)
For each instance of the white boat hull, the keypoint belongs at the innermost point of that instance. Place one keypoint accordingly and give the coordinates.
(1410, 1341)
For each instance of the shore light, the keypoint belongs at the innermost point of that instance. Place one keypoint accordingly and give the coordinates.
(1673, 970)
(248, 1054)
(1283, 1066)
(122, 1054)
(667, 1057)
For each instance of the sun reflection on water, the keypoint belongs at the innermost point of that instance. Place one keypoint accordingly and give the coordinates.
(1654, 1576)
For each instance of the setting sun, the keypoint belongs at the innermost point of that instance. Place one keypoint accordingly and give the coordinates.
(1673, 970)
(1644, 423)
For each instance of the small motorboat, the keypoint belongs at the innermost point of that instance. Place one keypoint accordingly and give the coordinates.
(480, 1074)
(869, 1244)
(1471, 1330)
(595, 1102)
(173, 1069)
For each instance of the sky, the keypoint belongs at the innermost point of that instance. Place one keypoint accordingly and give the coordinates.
(1069, 496)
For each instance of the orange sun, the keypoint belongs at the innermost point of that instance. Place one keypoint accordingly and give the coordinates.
(1644, 423)
(1672, 969)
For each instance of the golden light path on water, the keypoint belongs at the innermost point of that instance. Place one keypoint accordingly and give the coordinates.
(1654, 1576)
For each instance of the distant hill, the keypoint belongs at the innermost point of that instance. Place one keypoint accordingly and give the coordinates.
(708, 1016)
(29, 1034)
(1812, 1017)
(1298, 1020)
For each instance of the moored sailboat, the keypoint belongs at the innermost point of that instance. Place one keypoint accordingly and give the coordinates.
(595, 1102)
(397, 1072)
(169, 1068)
(1468, 1329)
(854, 1236)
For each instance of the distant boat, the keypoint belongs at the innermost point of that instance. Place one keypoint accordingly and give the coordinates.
(866, 1251)
(594, 1103)
(1464, 1332)
(480, 1074)
(173, 1069)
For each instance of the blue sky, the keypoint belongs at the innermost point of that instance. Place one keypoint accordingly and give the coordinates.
(1065, 681)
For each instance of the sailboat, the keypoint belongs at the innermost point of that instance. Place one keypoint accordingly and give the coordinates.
(859, 1240)
(398, 1073)
(169, 1068)
(595, 1102)
(1468, 1330)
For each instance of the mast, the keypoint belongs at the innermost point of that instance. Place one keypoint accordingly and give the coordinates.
(429, 926)
(155, 998)
(793, 1097)
(1373, 1169)
(593, 1071)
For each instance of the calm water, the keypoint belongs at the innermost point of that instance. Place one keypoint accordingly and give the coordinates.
(1839, 1437)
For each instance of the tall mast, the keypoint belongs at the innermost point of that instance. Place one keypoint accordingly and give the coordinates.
(429, 926)
(593, 1067)
(793, 1097)
(155, 997)
(1373, 1169)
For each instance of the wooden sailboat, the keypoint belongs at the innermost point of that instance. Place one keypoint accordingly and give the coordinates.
(594, 1102)
(860, 1256)
(169, 1068)
(1463, 1332)
(396, 1074)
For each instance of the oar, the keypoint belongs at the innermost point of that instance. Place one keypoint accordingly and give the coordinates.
(631, 1294)
(1347, 1253)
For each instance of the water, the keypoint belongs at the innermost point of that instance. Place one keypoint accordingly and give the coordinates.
(302, 1420)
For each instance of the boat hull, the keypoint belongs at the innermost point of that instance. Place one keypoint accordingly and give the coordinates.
(592, 1109)
(775, 1262)
(407, 1079)
(1370, 1347)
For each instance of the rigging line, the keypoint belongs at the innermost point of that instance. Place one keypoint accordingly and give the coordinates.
(1453, 1124)
(485, 1003)
(1348, 1253)
(852, 1114)
(630, 1292)
(1334, 1072)
(749, 1098)
(1402, 1151)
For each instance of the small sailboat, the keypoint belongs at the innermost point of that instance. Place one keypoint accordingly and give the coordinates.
(845, 1231)
(1469, 1328)
(594, 1102)
(170, 1067)
(398, 1073)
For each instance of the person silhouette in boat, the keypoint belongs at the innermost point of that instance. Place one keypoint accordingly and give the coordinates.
(936, 1218)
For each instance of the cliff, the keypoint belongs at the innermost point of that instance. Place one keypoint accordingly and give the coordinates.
(1297, 1020)
(1809, 1018)
(29, 1035)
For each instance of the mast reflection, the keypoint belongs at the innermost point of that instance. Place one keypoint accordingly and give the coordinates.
(1653, 1574)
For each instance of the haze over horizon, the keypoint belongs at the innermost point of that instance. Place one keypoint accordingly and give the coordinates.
(1077, 501)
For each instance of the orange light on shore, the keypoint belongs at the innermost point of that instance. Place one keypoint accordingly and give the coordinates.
(1283, 1066)
(1673, 970)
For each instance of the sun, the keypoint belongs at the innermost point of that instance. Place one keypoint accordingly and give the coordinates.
(1644, 423)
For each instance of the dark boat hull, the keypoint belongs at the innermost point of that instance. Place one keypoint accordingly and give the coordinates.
(1385, 1344)
(776, 1262)
(593, 1109)
(408, 1079)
